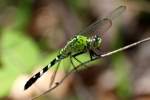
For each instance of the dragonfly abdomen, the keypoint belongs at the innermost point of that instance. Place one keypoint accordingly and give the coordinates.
(39, 74)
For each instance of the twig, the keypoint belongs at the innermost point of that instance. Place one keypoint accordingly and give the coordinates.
(97, 57)
(126, 47)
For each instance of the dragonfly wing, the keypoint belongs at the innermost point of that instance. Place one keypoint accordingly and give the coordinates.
(102, 25)
(98, 27)
(116, 12)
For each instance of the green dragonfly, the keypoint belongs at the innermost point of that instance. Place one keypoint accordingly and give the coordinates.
(85, 41)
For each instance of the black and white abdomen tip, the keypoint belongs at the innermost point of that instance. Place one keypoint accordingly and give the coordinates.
(31, 80)
(39, 74)
(36, 76)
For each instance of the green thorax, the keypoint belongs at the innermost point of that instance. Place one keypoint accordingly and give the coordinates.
(78, 44)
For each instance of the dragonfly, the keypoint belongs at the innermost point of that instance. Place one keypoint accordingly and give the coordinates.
(86, 41)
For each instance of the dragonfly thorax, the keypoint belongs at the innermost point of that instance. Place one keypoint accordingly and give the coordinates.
(95, 42)
(77, 44)
(80, 44)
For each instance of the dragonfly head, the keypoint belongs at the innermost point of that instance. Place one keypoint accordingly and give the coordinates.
(96, 41)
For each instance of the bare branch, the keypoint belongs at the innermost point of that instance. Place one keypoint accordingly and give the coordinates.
(100, 56)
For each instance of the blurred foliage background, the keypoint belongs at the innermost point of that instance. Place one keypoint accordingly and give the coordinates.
(33, 31)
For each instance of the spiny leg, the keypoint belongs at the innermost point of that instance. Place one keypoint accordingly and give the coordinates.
(54, 74)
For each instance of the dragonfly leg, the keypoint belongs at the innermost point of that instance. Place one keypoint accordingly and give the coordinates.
(77, 54)
(54, 75)
(79, 61)
(74, 56)
(73, 63)
(93, 54)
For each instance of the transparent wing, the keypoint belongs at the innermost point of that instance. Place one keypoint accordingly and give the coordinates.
(102, 25)
(98, 27)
